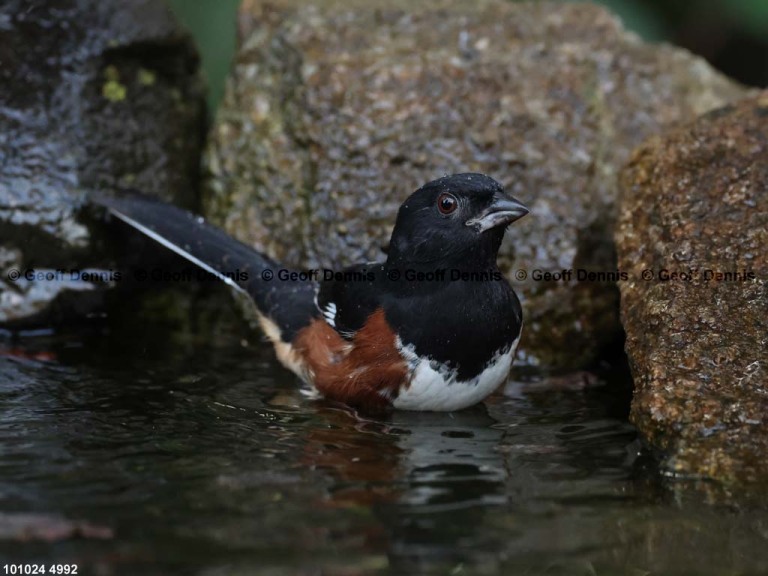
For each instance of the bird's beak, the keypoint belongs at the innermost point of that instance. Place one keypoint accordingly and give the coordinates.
(503, 211)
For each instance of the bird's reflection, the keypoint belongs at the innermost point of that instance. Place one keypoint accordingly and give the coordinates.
(427, 460)
(429, 478)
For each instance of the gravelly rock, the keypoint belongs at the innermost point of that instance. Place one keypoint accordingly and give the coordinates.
(695, 203)
(335, 112)
(93, 94)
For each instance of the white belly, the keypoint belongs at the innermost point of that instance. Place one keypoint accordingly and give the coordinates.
(436, 387)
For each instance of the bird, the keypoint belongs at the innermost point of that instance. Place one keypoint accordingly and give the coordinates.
(434, 327)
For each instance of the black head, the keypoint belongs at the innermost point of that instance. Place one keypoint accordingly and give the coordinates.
(456, 220)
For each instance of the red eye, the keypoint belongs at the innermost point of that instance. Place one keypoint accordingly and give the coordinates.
(447, 203)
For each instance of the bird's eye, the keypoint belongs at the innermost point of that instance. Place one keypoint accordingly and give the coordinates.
(447, 203)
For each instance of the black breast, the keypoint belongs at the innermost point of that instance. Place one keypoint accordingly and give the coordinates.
(459, 323)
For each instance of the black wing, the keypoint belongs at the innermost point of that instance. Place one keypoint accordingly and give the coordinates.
(347, 300)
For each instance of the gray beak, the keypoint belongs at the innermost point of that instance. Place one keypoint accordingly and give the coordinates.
(502, 212)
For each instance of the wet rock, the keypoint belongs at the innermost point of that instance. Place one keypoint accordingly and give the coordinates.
(48, 528)
(695, 210)
(93, 94)
(335, 113)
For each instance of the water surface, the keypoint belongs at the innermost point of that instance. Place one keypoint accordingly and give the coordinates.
(198, 454)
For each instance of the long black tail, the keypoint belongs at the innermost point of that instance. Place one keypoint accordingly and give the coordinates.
(288, 305)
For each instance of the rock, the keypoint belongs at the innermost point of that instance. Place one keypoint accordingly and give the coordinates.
(334, 113)
(695, 203)
(49, 528)
(93, 94)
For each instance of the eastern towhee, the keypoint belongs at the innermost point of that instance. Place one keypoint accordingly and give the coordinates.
(435, 327)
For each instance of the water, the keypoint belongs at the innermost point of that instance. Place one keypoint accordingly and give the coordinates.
(189, 451)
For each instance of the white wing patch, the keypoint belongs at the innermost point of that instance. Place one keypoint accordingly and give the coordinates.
(436, 387)
(329, 313)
